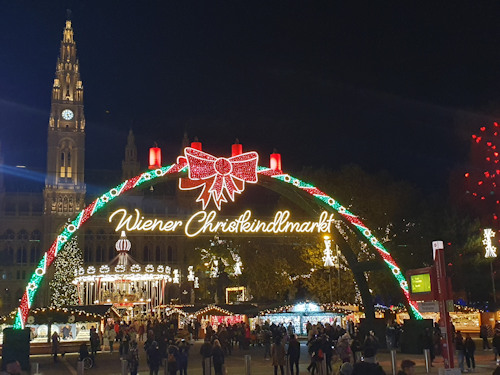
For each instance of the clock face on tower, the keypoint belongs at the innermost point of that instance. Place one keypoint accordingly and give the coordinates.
(67, 114)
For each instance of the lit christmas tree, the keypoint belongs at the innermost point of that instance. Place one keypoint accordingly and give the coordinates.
(69, 259)
(483, 178)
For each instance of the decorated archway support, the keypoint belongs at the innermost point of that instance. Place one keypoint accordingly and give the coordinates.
(172, 170)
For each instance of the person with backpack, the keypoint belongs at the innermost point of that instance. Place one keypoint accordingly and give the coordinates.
(172, 359)
(133, 358)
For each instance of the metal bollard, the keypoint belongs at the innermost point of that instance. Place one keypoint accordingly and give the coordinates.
(35, 367)
(248, 362)
(79, 368)
(427, 356)
(165, 366)
(207, 364)
(287, 365)
(124, 367)
(394, 362)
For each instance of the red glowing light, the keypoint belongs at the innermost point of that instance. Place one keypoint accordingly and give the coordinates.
(474, 136)
(480, 182)
(483, 128)
(478, 139)
(496, 124)
(275, 162)
(196, 145)
(467, 174)
(487, 174)
(236, 149)
(483, 198)
(488, 158)
(488, 144)
(495, 217)
(154, 158)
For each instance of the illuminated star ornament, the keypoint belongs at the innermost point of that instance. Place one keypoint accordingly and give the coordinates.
(220, 178)
(491, 251)
(327, 258)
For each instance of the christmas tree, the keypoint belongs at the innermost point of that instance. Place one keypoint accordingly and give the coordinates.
(69, 259)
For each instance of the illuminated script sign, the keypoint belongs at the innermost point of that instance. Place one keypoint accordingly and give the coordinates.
(206, 222)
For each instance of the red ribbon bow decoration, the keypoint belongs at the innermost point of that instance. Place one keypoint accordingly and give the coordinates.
(219, 177)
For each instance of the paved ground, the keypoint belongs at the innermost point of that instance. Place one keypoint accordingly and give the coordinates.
(107, 363)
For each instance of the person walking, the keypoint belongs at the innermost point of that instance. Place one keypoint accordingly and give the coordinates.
(293, 354)
(278, 356)
(172, 359)
(470, 348)
(154, 358)
(266, 340)
(110, 335)
(483, 334)
(496, 345)
(55, 345)
(133, 358)
(183, 357)
(206, 353)
(460, 349)
(217, 357)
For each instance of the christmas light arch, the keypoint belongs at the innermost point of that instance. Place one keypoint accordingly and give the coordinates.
(173, 170)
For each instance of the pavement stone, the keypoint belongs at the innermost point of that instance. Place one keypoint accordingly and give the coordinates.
(109, 364)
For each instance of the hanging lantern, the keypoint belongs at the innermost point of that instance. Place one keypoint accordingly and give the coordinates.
(275, 162)
(236, 148)
(123, 244)
(154, 157)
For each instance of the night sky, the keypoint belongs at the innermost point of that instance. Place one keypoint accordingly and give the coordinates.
(397, 87)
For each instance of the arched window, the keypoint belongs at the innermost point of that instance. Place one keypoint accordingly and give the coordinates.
(35, 253)
(111, 252)
(87, 255)
(9, 235)
(99, 254)
(22, 255)
(158, 254)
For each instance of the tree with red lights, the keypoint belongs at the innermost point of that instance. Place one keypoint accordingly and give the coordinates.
(483, 178)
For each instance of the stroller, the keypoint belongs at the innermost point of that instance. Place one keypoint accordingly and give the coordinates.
(85, 357)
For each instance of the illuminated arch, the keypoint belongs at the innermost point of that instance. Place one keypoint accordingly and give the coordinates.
(68, 232)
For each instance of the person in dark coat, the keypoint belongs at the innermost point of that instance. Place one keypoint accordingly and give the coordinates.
(460, 348)
(367, 368)
(217, 357)
(206, 352)
(154, 358)
(278, 355)
(183, 357)
(294, 353)
(496, 345)
(470, 348)
(483, 333)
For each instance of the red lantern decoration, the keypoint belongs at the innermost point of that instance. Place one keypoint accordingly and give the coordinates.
(275, 162)
(236, 149)
(154, 157)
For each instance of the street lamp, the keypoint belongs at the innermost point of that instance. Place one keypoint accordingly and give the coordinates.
(491, 252)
